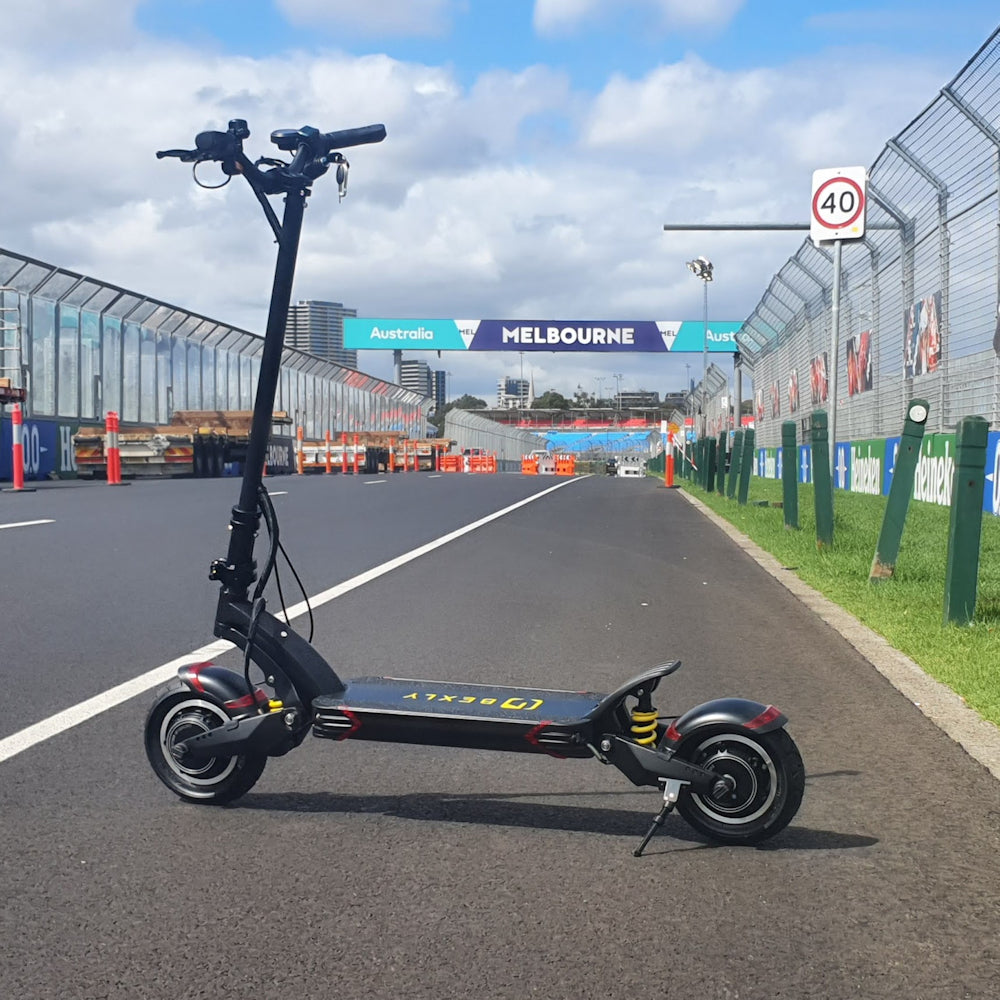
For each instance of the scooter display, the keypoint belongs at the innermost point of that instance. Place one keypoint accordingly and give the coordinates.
(728, 766)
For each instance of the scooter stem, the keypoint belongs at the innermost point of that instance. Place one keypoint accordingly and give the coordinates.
(240, 569)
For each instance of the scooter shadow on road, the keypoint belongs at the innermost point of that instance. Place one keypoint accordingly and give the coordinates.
(488, 809)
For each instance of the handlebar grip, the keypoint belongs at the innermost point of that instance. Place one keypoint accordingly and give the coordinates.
(353, 136)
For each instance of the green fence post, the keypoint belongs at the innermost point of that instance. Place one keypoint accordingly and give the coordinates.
(746, 466)
(710, 465)
(720, 464)
(905, 467)
(734, 464)
(822, 480)
(789, 475)
(702, 463)
(965, 529)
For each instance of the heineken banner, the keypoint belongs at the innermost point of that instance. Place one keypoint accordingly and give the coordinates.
(867, 467)
(639, 336)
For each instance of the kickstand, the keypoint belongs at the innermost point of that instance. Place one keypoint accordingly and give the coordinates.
(671, 792)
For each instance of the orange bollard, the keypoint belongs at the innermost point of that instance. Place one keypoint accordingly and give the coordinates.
(17, 426)
(355, 454)
(112, 454)
(118, 451)
(343, 452)
(300, 458)
(329, 459)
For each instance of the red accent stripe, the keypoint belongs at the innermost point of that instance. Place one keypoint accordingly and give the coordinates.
(355, 724)
(768, 715)
(671, 735)
(532, 737)
(259, 698)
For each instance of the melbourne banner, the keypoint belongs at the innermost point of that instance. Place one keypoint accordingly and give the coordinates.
(640, 336)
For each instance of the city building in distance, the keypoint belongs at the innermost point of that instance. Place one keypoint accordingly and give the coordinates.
(317, 328)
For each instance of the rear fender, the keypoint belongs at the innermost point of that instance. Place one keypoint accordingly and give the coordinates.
(739, 712)
(224, 686)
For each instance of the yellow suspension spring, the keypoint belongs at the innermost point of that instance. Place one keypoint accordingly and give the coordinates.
(644, 727)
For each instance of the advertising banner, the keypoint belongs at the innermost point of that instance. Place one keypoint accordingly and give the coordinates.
(889, 465)
(793, 390)
(859, 363)
(935, 469)
(805, 463)
(867, 462)
(600, 336)
(922, 336)
(819, 380)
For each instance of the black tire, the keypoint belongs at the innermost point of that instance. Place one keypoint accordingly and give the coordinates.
(766, 782)
(178, 713)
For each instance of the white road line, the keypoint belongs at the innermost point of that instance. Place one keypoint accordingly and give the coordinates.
(10, 746)
(26, 524)
(375, 482)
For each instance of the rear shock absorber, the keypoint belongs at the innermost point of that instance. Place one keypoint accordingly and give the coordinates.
(644, 718)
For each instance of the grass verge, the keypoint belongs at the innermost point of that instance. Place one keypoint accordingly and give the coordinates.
(908, 610)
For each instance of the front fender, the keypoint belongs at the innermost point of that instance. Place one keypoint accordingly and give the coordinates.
(740, 712)
(224, 686)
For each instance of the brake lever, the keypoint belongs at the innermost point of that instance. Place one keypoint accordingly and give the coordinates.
(184, 155)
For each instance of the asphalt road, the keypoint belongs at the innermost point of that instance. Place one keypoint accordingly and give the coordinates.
(360, 870)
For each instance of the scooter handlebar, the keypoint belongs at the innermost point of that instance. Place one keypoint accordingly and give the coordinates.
(353, 137)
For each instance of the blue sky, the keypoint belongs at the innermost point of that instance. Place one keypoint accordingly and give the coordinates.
(633, 38)
(535, 148)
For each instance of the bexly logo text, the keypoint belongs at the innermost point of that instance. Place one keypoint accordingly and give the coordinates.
(517, 704)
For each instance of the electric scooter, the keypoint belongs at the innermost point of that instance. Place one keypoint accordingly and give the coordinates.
(728, 766)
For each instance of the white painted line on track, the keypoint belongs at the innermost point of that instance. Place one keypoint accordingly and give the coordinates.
(277, 493)
(26, 524)
(374, 482)
(10, 746)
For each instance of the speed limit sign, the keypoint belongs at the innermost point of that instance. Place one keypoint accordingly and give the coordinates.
(839, 199)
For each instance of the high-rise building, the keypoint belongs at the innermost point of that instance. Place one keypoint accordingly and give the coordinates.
(439, 389)
(318, 328)
(416, 376)
(513, 393)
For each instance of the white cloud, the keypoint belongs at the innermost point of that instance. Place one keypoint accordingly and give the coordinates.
(58, 25)
(561, 16)
(513, 197)
(393, 17)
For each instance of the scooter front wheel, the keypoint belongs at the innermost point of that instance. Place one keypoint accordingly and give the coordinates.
(178, 714)
(762, 779)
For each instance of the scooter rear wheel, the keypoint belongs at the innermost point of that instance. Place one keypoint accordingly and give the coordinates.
(177, 714)
(763, 782)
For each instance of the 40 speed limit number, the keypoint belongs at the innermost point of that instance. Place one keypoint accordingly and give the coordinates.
(839, 200)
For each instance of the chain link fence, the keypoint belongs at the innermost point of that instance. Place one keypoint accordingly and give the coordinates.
(919, 294)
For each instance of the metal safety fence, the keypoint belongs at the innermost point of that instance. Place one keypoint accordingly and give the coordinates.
(474, 433)
(919, 293)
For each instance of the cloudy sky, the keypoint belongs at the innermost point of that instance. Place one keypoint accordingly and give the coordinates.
(535, 149)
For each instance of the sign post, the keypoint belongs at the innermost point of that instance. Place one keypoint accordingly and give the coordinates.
(839, 203)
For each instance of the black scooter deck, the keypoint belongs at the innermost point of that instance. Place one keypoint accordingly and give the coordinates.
(442, 713)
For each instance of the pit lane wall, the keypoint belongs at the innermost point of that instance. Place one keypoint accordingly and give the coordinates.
(867, 467)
